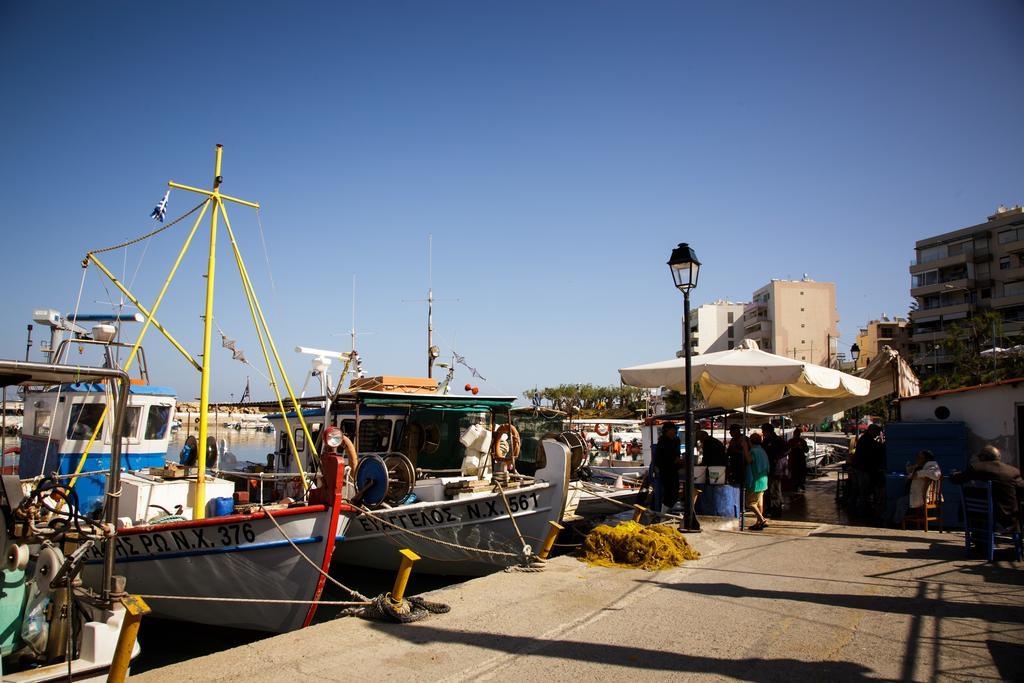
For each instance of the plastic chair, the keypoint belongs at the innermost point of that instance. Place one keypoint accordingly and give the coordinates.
(931, 511)
(980, 523)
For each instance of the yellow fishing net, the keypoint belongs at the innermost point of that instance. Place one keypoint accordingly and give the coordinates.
(629, 544)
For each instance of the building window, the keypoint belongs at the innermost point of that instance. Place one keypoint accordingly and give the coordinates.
(732, 344)
(803, 341)
(732, 332)
(986, 293)
(801, 293)
(730, 317)
(926, 278)
(802, 325)
(801, 310)
(1004, 263)
(1007, 236)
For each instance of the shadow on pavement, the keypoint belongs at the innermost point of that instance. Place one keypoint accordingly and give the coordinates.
(748, 669)
(892, 604)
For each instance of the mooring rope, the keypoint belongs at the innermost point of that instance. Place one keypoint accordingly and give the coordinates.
(339, 584)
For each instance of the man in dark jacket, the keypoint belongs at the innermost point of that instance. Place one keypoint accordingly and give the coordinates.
(667, 459)
(712, 450)
(1007, 485)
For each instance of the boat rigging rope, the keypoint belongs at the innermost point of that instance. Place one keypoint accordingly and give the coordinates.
(54, 361)
(149, 234)
(351, 591)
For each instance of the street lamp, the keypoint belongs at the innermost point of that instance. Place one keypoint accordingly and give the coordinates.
(855, 355)
(685, 269)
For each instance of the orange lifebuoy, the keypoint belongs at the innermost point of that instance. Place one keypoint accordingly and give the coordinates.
(601, 429)
(515, 444)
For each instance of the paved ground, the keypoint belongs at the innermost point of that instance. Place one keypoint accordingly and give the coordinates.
(795, 602)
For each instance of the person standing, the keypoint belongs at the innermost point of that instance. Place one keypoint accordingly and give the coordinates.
(798, 449)
(757, 481)
(712, 450)
(738, 454)
(870, 456)
(775, 447)
(667, 460)
(1007, 485)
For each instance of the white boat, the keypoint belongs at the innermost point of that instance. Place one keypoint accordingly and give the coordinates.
(204, 559)
(251, 559)
(470, 535)
(458, 524)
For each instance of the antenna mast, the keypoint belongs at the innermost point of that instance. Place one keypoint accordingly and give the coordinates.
(432, 351)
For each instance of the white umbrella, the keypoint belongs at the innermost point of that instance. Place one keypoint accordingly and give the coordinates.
(734, 378)
(746, 374)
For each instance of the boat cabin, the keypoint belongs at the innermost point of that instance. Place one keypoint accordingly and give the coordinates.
(60, 421)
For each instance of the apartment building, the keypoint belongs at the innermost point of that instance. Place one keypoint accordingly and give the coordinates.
(715, 327)
(958, 273)
(795, 318)
(886, 331)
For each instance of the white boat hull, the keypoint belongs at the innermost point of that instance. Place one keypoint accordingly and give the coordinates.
(246, 558)
(479, 526)
(241, 556)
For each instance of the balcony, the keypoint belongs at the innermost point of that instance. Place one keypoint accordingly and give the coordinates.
(943, 310)
(1007, 301)
(962, 283)
(928, 337)
(758, 323)
(955, 260)
(1012, 247)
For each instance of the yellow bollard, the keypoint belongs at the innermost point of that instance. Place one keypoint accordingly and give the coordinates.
(553, 532)
(398, 592)
(638, 513)
(134, 608)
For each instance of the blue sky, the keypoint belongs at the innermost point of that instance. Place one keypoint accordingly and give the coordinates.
(556, 151)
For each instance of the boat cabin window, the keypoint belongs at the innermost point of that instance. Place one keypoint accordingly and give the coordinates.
(85, 418)
(348, 428)
(43, 420)
(374, 436)
(156, 422)
(130, 428)
(300, 440)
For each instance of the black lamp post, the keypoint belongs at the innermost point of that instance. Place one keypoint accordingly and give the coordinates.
(685, 268)
(855, 355)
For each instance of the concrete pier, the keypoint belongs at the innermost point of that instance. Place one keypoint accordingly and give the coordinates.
(797, 601)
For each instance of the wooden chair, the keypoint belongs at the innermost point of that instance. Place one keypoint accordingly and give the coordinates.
(980, 523)
(931, 511)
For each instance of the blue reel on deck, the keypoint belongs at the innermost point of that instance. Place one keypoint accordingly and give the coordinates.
(372, 480)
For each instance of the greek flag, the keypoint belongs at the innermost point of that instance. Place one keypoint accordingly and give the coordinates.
(161, 208)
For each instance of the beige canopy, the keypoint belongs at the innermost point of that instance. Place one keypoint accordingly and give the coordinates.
(888, 372)
(747, 375)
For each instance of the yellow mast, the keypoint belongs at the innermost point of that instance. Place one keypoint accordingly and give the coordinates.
(218, 200)
(204, 388)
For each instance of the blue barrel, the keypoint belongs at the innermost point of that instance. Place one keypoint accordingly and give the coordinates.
(222, 507)
(718, 500)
